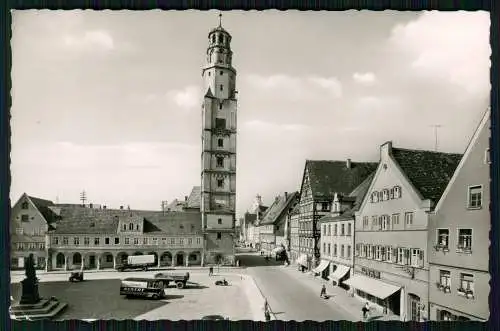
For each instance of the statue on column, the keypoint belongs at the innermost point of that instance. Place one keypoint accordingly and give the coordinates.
(30, 293)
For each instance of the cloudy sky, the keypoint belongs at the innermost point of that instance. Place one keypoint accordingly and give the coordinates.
(110, 102)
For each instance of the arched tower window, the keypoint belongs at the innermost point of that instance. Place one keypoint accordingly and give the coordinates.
(221, 39)
(213, 38)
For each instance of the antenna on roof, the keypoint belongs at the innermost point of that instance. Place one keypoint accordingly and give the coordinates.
(83, 197)
(436, 127)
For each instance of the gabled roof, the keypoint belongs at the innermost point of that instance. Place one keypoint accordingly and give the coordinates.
(486, 119)
(194, 199)
(429, 172)
(330, 177)
(80, 220)
(209, 93)
(358, 194)
(44, 207)
(279, 206)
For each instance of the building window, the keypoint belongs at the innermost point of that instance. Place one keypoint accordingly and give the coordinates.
(466, 285)
(465, 240)
(127, 241)
(329, 229)
(324, 248)
(41, 246)
(401, 256)
(124, 227)
(220, 162)
(220, 106)
(106, 241)
(329, 247)
(397, 192)
(221, 87)
(409, 218)
(475, 196)
(55, 240)
(378, 252)
(335, 230)
(417, 257)
(137, 227)
(384, 223)
(349, 251)
(136, 241)
(374, 197)
(190, 241)
(220, 123)
(385, 195)
(96, 241)
(334, 249)
(357, 249)
(325, 206)
(172, 240)
(144, 241)
(76, 241)
(24, 205)
(388, 254)
(342, 230)
(395, 219)
(220, 183)
(349, 229)
(20, 246)
(65, 240)
(117, 241)
(487, 159)
(222, 73)
(219, 235)
(155, 241)
(342, 251)
(443, 238)
(25, 218)
(131, 226)
(86, 241)
(365, 221)
(374, 222)
(445, 279)
(219, 221)
(220, 142)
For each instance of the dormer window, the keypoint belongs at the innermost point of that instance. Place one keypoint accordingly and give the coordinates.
(385, 195)
(374, 197)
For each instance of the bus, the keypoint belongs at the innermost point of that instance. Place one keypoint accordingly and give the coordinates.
(142, 287)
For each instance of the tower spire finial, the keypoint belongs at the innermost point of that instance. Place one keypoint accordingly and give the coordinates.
(220, 19)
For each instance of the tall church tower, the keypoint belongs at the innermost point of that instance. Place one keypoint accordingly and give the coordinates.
(218, 156)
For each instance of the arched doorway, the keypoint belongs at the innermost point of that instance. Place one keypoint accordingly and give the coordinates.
(415, 307)
(60, 260)
(179, 258)
(194, 258)
(91, 261)
(121, 257)
(166, 259)
(106, 260)
(77, 259)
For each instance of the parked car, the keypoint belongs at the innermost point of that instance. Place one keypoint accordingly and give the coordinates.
(180, 279)
(76, 276)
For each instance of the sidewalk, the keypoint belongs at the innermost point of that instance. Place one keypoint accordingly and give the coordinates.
(337, 296)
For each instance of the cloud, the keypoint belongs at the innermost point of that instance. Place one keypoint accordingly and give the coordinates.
(189, 97)
(364, 78)
(295, 86)
(448, 45)
(90, 40)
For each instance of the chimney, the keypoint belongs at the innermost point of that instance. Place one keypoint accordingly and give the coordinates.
(185, 198)
(348, 164)
(286, 195)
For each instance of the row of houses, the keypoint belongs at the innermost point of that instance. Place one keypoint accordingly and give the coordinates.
(409, 233)
(67, 236)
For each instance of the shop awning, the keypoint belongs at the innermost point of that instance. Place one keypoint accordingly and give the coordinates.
(322, 266)
(340, 272)
(302, 260)
(372, 286)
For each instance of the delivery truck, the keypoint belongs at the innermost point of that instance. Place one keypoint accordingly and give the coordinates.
(134, 262)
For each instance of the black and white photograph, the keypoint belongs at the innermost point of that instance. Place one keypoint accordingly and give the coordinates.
(250, 165)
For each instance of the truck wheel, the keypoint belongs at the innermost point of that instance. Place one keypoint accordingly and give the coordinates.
(180, 285)
(155, 296)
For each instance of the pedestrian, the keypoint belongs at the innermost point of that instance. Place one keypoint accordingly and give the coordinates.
(323, 291)
(211, 271)
(365, 310)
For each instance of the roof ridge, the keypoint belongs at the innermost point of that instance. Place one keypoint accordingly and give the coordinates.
(424, 150)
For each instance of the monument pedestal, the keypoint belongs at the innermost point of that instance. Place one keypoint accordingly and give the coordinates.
(44, 309)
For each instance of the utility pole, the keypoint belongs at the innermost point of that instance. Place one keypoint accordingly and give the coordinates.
(83, 197)
(436, 127)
